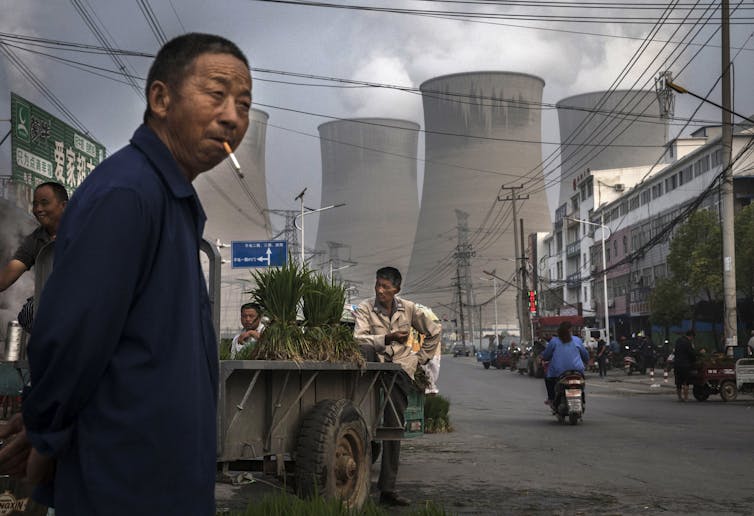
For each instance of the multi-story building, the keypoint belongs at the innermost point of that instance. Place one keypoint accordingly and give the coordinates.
(639, 207)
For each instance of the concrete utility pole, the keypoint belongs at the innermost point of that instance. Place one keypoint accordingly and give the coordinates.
(464, 253)
(726, 191)
(513, 197)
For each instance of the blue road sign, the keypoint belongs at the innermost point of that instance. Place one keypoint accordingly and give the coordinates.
(259, 253)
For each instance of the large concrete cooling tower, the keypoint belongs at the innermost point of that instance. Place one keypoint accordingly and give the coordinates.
(483, 131)
(370, 164)
(626, 122)
(236, 211)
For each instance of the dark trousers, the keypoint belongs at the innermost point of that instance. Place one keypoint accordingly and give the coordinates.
(602, 362)
(391, 450)
(550, 384)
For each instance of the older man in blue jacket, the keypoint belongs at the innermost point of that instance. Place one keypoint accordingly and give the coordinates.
(120, 413)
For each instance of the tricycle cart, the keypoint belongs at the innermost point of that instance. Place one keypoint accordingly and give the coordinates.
(744, 379)
(715, 377)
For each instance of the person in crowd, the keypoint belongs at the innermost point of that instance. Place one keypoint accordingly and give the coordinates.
(120, 414)
(602, 357)
(251, 322)
(49, 203)
(565, 352)
(382, 329)
(683, 363)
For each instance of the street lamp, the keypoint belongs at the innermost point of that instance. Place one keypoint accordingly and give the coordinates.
(309, 210)
(604, 270)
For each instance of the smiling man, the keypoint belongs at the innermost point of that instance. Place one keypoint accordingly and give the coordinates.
(120, 413)
(49, 202)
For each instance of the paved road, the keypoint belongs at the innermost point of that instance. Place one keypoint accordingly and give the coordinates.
(637, 451)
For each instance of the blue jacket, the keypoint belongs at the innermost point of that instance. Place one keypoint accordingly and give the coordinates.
(565, 356)
(123, 358)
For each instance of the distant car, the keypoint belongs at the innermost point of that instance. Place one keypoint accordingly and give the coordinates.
(461, 350)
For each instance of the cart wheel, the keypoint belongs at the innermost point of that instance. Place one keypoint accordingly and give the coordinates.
(701, 392)
(728, 390)
(332, 456)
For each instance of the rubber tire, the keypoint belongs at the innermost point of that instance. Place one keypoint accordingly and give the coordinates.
(333, 442)
(486, 365)
(701, 392)
(728, 390)
(573, 418)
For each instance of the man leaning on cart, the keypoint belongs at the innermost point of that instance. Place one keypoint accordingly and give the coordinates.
(382, 328)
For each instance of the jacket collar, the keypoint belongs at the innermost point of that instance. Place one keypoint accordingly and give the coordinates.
(147, 141)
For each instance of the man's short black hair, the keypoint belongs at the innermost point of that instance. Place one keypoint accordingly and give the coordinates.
(253, 306)
(57, 189)
(176, 56)
(691, 333)
(391, 274)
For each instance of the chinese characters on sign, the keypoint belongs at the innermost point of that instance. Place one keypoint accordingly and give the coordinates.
(45, 148)
(263, 253)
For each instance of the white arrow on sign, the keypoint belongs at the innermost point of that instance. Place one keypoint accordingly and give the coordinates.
(267, 259)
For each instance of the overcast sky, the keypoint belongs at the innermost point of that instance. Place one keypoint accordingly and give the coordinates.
(378, 47)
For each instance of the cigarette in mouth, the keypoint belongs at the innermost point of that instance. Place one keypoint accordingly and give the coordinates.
(233, 159)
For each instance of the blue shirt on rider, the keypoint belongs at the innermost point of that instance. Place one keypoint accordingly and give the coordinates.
(565, 356)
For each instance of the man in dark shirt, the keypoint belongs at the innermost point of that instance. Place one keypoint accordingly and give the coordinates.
(49, 202)
(120, 413)
(683, 362)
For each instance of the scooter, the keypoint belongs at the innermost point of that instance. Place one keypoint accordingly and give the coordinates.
(630, 364)
(569, 397)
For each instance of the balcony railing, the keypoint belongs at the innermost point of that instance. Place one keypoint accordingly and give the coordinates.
(574, 279)
(573, 249)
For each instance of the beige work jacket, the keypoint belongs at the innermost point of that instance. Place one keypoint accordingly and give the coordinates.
(372, 324)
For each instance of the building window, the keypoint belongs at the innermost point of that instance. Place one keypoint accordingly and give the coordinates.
(560, 270)
(645, 196)
(575, 203)
(625, 244)
(586, 295)
(615, 248)
(633, 203)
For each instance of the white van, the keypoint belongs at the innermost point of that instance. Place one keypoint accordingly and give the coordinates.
(590, 336)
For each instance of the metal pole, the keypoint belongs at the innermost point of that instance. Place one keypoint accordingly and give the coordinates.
(604, 279)
(302, 231)
(518, 272)
(726, 191)
(494, 283)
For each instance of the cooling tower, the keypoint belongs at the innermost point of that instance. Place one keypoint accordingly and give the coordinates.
(235, 210)
(483, 131)
(620, 129)
(370, 164)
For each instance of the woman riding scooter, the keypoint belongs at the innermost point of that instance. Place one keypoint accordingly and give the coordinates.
(565, 352)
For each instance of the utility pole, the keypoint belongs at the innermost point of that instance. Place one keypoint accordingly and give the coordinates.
(513, 197)
(726, 190)
(460, 304)
(464, 253)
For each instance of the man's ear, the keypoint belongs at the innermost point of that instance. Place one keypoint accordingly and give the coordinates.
(159, 99)
(397, 289)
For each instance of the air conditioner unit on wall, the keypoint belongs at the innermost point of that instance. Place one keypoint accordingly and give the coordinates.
(619, 187)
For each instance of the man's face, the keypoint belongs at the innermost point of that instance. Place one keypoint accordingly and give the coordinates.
(209, 107)
(249, 318)
(385, 292)
(47, 209)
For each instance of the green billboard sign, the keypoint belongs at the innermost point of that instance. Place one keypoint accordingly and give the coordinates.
(44, 148)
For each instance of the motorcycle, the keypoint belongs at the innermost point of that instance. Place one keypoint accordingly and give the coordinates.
(630, 365)
(569, 397)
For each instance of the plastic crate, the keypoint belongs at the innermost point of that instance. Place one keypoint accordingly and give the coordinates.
(415, 414)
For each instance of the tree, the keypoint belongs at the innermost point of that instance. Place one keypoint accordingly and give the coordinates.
(695, 257)
(696, 263)
(745, 251)
(668, 304)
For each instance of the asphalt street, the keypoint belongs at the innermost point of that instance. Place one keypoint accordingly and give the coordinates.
(637, 451)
